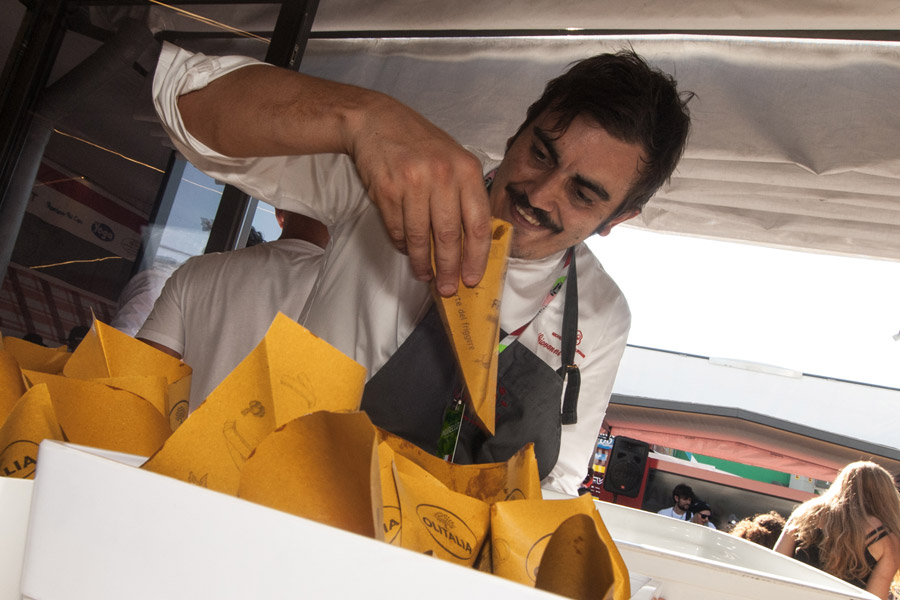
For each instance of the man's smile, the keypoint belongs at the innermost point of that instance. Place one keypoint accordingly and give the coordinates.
(559, 187)
(531, 215)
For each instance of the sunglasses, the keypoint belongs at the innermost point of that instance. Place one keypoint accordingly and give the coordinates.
(704, 517)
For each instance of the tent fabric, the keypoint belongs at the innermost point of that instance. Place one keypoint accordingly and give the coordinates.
(741, 439)
(794, 139)
(793, 145)
(662, 15)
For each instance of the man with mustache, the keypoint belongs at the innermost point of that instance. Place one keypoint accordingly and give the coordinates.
(592, 150)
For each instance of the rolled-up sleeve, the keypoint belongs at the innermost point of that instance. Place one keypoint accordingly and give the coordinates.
(323, 186)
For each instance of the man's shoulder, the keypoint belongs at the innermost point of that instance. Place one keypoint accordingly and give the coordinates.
(294, 246)
(197, 268)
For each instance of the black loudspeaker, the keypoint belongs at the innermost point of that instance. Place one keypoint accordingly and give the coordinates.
(626, 466)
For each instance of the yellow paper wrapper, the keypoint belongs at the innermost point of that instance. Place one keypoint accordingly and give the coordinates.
(514, 479)
(323, 467)
(435, 520)
(290, 373)
(107, 352)
(96, 415)
(35, 357)
(578, 564)
(152, 388)
(390, 502)
(521, 530)
(12, 386)
(31, 421)
(471, 318)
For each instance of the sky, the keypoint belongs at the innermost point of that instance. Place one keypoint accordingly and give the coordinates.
(826, 315)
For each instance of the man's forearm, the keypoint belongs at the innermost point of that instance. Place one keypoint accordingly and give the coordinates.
(263, 111)
(428, 188)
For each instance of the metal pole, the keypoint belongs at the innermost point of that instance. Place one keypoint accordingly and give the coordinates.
(285, 50)
(24, 76)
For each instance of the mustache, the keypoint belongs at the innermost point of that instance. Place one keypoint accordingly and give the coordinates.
(520, 199)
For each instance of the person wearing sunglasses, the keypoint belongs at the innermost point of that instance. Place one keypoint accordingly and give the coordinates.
(701, 514)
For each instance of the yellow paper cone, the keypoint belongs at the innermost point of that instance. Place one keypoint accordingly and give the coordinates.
(96, 415)
(107, 352)
(11, 384)
(289, 374)
(152, 388)
(323, 467)
(471, 318)
(444, 523)
(31, 421)
(577, 563)
(521, 530)
(517, 478)
(35, 357)
(390, 502)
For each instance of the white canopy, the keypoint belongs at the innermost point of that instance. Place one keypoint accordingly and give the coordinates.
(795, 135)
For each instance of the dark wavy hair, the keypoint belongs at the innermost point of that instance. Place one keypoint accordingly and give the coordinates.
(633, 102)
(682, 490)
(763, 528)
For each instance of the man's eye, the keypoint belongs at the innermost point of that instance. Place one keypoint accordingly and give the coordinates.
(539, 154)
(583, 198)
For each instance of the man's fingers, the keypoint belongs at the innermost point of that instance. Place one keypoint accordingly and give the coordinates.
(430, 193)
(392, 216)
(476, 220)
(417, 232)
(445, 223)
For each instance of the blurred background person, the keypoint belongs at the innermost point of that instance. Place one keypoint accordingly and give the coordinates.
(682, 496)
(850, 531)
(76, 334)
(701, 514)
(215, 308)
(34, 338)
(763, 528)
(140, 293)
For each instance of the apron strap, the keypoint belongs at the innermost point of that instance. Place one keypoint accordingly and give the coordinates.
(569, 370)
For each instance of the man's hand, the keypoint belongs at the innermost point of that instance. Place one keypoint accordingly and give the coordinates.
(429, 189)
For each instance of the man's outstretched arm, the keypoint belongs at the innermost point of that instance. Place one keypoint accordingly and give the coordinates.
(426, 186)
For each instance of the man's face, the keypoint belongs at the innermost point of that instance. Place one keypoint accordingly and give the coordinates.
(558, 190)
(683, 503)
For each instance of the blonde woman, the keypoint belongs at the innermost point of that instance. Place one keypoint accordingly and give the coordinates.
(851, 531)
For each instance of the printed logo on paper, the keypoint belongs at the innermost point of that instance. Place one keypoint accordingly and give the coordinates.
(19, 459)
(448, 530)
(392, 525)
(178, 414)
(515, 494)
(535, 554)
(103, 231)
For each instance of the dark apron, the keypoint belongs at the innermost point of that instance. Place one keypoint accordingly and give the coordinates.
(409, 394)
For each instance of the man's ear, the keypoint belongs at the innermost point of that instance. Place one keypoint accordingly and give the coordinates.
(607, 227)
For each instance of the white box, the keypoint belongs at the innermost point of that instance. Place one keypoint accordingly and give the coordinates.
(675, 560)
(101, 530)
(15, 504)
